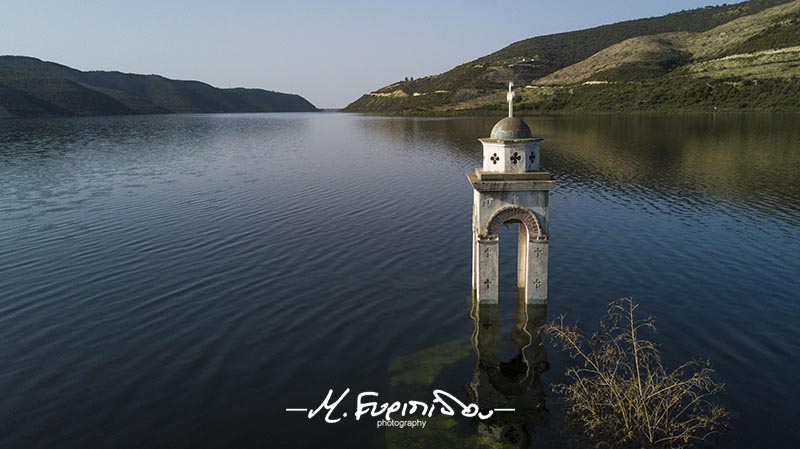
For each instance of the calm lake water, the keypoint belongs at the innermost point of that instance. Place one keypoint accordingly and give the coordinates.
(179, 281)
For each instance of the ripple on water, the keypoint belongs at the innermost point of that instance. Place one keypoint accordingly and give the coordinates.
(198, 270)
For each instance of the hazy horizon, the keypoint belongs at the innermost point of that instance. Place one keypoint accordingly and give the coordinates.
(328, 52)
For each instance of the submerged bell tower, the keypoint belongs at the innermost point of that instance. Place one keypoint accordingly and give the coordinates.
(510, 187)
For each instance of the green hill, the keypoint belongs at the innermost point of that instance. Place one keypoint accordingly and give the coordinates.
(659, 63)
(30, 87)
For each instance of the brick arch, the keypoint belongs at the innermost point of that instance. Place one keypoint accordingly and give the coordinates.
(514, 214)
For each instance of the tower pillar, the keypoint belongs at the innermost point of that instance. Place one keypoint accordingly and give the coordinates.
(487, 269)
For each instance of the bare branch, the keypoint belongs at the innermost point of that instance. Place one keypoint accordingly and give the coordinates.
(623, 396)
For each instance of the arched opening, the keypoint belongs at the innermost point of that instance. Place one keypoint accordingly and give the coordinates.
(531, 255)
(514, 214)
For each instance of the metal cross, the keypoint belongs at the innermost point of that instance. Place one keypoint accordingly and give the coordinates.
(510, 99)
(515, 158)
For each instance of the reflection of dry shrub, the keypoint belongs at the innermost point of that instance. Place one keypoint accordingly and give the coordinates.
(622, 396)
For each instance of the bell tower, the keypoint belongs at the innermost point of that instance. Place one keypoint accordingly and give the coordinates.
(510, 188)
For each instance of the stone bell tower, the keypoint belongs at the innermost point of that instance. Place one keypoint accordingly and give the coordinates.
(510, 188)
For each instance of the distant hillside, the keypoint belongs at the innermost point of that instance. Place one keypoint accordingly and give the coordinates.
(30, 87)
(714, 57)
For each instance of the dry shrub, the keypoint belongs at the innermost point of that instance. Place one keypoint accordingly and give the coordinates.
(621, 395)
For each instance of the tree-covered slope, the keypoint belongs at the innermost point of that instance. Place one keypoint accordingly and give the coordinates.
(31, 87)
(633, 51)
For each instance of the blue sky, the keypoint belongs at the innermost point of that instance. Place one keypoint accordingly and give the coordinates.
(328, 51)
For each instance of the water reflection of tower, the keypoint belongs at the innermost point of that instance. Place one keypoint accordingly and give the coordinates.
(514, 383)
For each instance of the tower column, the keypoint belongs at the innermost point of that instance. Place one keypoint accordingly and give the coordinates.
(487, 270)
(522, 257)
(536, 283)
(474, 262)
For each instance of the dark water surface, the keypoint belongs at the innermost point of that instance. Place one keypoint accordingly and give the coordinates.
(179, 281)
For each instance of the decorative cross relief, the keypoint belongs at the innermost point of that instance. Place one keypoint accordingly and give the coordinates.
(515, 158)
(532, 157)
(494, 159)
(538, 252)
(487, 282)
(537, 283)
